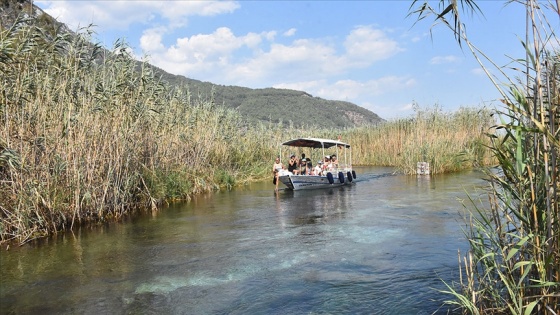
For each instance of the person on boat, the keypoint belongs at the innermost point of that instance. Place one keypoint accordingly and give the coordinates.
(309, 168)
(318, 170)
(293, 165)
(276, 168)
(334, 161)
(327, 166)
(303, 165)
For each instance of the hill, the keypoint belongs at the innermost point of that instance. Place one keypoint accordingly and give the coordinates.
(280, 105)
(267, 105)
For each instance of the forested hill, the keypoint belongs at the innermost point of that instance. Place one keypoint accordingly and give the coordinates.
(268, 105)
(275, 105)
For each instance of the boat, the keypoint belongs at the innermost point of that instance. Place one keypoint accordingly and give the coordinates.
(341, 175)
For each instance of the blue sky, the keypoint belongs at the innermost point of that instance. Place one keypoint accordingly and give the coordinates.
(365, 52)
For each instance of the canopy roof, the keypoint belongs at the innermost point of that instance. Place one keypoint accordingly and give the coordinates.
(314, 143)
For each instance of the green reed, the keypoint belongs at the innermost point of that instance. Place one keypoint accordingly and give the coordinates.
(513, 265)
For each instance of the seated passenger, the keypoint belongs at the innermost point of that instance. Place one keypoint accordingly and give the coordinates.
(318, 168)
(309, 168)
(327, 166)
(303, 165)
(277, 166)
(293, 165)
(334, 161)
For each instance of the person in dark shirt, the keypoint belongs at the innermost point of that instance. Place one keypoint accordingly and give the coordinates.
(293, 165)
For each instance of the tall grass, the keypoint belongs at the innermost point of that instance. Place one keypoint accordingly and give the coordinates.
(86, 136)
(513, 266)
(448, 141)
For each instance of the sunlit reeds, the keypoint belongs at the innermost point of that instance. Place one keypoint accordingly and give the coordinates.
(87, 136)
(513, 266)
(449, 141)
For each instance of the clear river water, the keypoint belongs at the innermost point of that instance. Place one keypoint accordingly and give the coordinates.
(380, 246)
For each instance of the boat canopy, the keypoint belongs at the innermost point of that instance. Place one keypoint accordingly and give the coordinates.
(314, 143)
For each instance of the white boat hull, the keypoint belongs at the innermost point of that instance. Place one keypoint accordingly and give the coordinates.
(303, 182)
(339, 173)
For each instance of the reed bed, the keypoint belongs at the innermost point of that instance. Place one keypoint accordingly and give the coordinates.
(513, 265)
(450, 142)
(88, 137)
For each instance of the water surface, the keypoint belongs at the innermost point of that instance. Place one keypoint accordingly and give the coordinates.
(380, 246)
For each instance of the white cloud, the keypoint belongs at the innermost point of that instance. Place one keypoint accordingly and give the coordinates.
(151, 40)
(290, 32)
(256, 60)
(398, 110)
(478, 71)
(120, 14)
(444, 59)
(212, 57)
(252, 59)
(351, 90)
(365, 45)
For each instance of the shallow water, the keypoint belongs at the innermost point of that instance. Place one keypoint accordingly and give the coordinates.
(379, 246)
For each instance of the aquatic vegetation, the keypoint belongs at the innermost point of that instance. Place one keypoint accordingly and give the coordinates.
(450, 142)
(513, 265)
(90, 136)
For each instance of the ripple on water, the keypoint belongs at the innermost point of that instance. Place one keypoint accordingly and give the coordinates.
(370, 234)
(379, 247)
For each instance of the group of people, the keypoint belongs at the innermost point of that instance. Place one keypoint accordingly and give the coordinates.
(304, 166)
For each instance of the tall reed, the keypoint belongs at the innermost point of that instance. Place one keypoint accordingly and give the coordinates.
(87, 136)
(513, 266)
(449, 141)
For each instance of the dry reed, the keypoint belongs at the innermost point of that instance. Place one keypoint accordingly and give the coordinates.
(450, 142)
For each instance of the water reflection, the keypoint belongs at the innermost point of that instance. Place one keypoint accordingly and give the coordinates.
(314, 206)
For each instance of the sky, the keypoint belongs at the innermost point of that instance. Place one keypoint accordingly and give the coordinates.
(365, 52)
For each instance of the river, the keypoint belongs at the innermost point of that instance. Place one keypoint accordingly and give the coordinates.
(380, 246)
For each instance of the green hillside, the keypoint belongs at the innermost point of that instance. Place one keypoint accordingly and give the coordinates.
(279, 105)
(269, 105)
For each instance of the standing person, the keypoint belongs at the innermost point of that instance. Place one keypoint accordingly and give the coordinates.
(276, 168)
